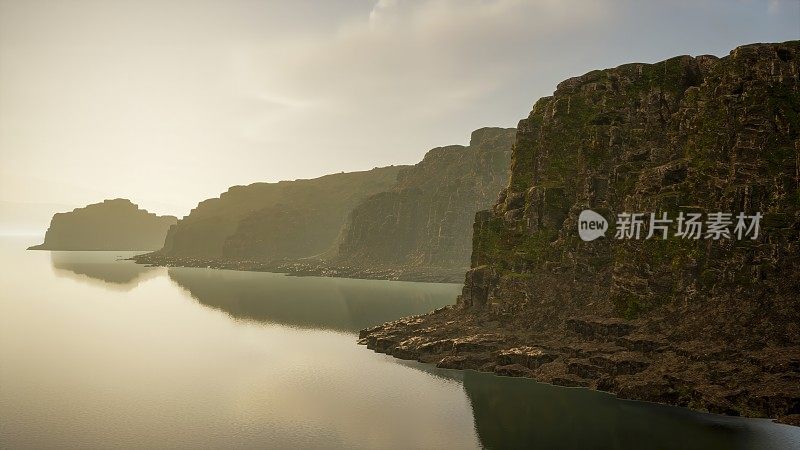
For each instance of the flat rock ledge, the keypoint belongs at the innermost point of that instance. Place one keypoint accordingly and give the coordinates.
(606, 354)
(309, 267)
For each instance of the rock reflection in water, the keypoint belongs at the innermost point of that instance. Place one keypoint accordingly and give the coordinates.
(212, 381)
(106, 268)
(518, 413)
(310, 302)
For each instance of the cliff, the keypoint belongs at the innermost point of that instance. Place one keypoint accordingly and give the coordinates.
(111, 225)
(426, 220)
(709, 324)
(269, 221)
(410, 223)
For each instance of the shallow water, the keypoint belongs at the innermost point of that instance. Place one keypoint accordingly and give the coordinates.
(101, 353)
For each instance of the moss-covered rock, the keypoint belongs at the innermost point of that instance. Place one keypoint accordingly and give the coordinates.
(701, 318)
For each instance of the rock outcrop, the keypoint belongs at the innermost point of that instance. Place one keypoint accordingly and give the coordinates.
(426, 220)
(402, 223)
(709, 324)
(111, 225)
(274, 221)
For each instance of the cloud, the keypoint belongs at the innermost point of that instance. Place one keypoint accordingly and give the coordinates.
(412, 64)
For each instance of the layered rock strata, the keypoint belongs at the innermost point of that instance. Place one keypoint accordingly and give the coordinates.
(709, 324)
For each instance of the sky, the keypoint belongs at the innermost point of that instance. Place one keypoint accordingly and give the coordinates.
(169, 102)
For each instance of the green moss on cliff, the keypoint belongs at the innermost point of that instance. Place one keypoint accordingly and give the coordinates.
(686, 134)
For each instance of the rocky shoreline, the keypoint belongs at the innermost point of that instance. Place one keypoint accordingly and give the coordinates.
(629, 359)
(309, 268)
(708, 324)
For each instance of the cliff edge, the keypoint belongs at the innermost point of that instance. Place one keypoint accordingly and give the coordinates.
(712, 324)
(270, 221)
(426, 220)
(399, 222)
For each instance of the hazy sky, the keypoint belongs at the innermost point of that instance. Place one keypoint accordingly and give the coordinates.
(168, 102)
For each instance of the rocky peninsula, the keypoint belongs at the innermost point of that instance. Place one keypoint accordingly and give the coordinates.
(708, 324)
(399, 223)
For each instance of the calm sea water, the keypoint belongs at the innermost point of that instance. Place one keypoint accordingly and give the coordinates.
(101, 353)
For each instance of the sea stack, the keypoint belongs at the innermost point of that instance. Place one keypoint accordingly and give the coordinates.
(116, 224)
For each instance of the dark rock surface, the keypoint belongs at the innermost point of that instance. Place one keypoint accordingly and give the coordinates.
(114, 224)
(272, 221)
(711, 325)
(426, 220)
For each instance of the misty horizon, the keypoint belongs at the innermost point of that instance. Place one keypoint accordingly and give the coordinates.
(97, 97)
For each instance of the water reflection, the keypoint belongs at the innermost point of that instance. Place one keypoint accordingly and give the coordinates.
(289, 387)
(311, 302)
(104, 268)
(519, 413)
(515, 413)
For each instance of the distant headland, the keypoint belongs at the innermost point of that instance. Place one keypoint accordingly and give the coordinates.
(116, 224)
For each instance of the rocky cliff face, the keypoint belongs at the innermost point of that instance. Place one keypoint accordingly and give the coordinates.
(111, 225)
(710, 324)
(411, 223)
(426, 220)
(267, 221)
